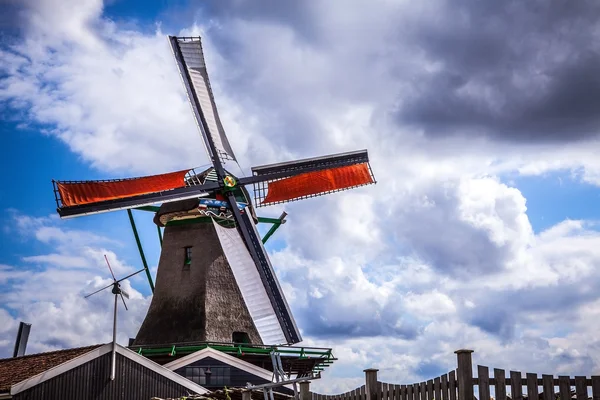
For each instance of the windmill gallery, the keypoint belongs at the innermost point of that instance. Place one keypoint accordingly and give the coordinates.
(218, 316)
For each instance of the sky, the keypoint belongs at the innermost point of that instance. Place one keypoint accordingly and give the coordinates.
(481, 123)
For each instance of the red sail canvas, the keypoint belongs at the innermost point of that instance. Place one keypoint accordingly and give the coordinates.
(73, 194)
(317, 182)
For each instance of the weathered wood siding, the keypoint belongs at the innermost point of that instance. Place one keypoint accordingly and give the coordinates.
(92, 381)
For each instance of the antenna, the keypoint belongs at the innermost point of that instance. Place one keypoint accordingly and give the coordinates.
(117, 291)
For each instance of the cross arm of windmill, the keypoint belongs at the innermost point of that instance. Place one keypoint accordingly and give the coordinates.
(215, 192)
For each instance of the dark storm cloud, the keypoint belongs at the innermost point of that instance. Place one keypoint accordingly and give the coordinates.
(297, 14)
(509, 70)
(514, 70)
(352, 329)
(447, 242)
(499, 312)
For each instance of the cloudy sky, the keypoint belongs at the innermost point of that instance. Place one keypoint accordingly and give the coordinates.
(481, 120)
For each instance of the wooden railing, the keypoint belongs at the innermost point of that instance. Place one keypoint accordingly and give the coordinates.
(460, 385)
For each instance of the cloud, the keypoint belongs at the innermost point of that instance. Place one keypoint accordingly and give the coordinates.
(48, 290)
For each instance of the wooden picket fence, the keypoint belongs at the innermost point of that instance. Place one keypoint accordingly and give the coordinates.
(460, 385)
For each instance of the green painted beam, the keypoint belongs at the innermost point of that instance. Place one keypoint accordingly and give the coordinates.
(266, 220)
(231, 349)
(139, 244)
(159, 235)
(276, 224)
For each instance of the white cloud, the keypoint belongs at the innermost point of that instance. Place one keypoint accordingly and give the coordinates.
(48, 291)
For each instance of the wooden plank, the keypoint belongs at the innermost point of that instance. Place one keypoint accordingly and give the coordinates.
(430, 389)
(409, 393)
(581, 388)
(452, 385)
(564, 387)
(532, 386)
(499, 384)
(548, 386)
(437, 389)
(416, 392)
(483, 373)
(595, 387)
(516, 386)
(423, 390)
(363, 395)
(385, 391)
(444, 386)
(403, 395)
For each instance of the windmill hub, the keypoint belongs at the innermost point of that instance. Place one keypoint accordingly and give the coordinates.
(229, 181)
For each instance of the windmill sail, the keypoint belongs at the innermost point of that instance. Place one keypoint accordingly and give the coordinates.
(295, 180)
(251, 286)
(192, 67)
(75, 198)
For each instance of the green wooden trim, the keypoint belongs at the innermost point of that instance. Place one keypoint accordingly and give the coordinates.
(266, 220)
(159, 235)
(139, 244)
(271, 231)
(246, 350)
(276, 224)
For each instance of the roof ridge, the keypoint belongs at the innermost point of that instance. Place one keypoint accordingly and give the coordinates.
(91, 347)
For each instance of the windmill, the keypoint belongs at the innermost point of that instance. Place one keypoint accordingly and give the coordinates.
(117, 291)
(214, 280)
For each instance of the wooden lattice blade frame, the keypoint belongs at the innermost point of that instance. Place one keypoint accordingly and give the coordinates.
(77, 198)
(296, 180)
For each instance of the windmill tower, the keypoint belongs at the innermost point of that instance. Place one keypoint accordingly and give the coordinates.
(214, 281)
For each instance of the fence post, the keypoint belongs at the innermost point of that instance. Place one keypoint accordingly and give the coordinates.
(305, 390)
(246, 394)
(371, 383)
(464, 374)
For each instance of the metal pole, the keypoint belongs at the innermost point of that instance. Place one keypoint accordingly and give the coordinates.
(139, 245)
(114, 342)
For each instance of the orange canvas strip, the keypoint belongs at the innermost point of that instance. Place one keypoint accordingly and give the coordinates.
(73, 194)
(311, 183)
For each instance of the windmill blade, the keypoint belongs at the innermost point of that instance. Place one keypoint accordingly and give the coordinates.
(99, 290)
(192, 67)
(290, 181)
(121, 294)
(111, 271)
(124, 293)
(130, 275)
(76, 198)
(261, 292)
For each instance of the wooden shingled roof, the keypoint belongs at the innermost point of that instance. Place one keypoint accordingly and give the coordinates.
(17, 369)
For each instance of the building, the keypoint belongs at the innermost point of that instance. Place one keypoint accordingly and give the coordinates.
(85, 373)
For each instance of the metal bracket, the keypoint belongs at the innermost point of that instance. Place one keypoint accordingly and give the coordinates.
(281, 379)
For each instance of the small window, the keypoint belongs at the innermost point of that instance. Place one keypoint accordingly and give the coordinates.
(188, 256)
(209, 375)
(240, 337)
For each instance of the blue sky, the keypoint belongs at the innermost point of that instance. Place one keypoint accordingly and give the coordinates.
(486, 161)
